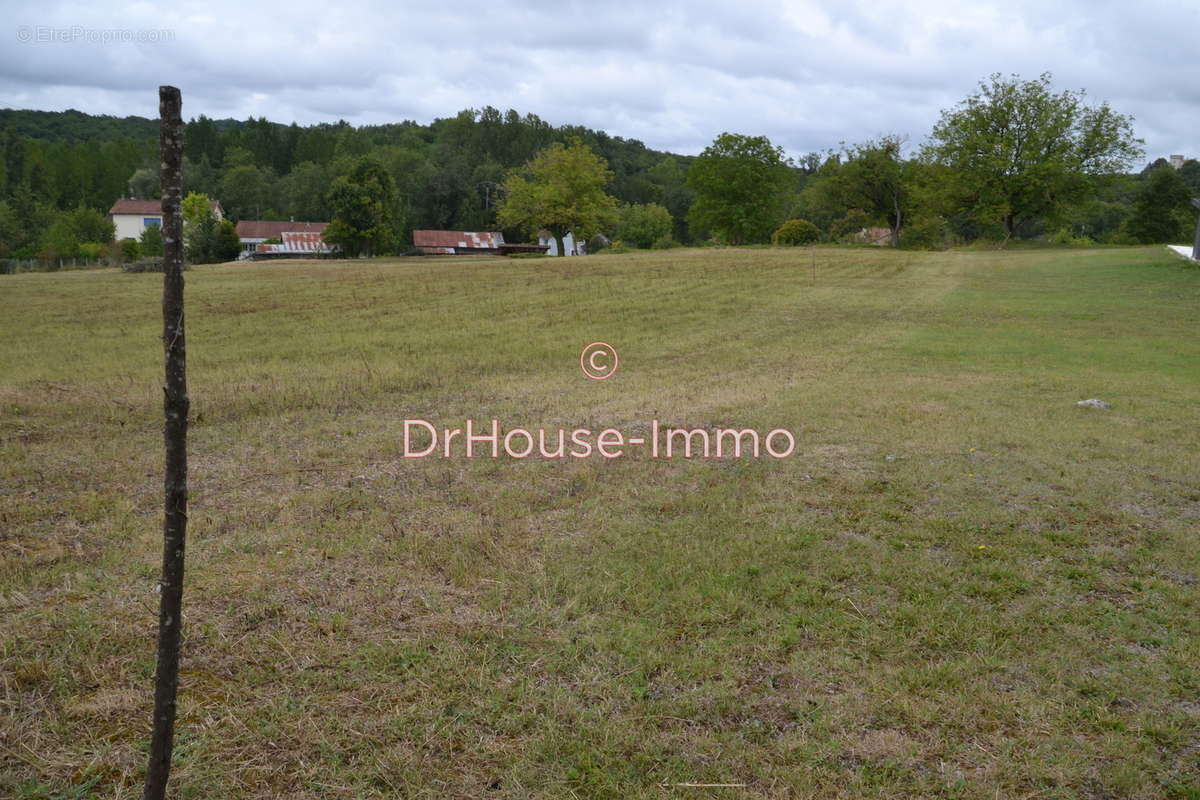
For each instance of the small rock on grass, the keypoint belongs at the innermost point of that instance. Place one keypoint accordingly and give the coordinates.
(1093, 403)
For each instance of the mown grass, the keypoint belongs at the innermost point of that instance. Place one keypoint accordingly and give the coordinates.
(961, 585)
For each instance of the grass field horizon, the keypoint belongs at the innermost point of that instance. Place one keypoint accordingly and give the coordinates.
(960, 585)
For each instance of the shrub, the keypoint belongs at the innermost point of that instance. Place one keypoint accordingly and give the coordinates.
(152, 241)
(143, 265)
(1064, 237)
(91, 250)
(130, 250)
(925, 233)
(665, 243)
(796, 232)
(644, 224)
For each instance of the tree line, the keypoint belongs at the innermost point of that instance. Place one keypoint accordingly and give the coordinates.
(1016, 159)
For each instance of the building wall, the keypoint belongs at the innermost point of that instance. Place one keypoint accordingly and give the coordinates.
(130, 226)
(568, 243)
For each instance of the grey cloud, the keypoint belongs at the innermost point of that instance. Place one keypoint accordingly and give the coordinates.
(808, 74)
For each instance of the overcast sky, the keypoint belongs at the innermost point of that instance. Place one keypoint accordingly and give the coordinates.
(807, 74)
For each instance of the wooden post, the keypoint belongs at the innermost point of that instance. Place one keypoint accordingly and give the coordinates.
(175, 407)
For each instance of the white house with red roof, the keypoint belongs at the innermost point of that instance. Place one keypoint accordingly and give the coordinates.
(130, 217)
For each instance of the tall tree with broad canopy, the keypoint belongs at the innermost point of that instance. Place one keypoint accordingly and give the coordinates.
(875, 178)
(743, 187)
(364, 206)
(1017, 151)
(561, 190)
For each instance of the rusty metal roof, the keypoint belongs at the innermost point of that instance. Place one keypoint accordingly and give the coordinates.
(465, 239)
(293, 242)
(269, 229)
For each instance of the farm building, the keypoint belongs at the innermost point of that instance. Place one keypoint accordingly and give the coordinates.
(462, 243)
(449, 243)
(296, 238)
(573, 248)
(130, 217)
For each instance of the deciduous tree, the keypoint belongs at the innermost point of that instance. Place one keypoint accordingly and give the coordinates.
(743, 187)
(1162, 210)
(364, 209)
(644, 224)
(874, 178)
(562, 190)
(1018, 151)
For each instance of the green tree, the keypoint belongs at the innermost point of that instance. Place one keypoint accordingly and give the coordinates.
(227, 245)
(561, 190)
(195, 207)
(247, 191)
(74, 228)
(199, 238)
(1017, 151)
(743, 187)
(1190, 172)
(874, 178)
(643, 225)
(10, 230)
(1162, 211)
(130, 250)
(151, 242)
(143, 183)
(364, 209)
(303, 192)
(670, 173)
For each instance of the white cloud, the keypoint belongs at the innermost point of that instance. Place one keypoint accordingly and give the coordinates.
(806, 73)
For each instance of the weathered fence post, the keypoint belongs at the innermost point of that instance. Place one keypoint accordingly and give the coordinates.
(175, 406)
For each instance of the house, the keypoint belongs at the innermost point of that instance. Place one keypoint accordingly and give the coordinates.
(130, 216)
(458, 243)
(303, 238)
(1177, 161)
(547, 240)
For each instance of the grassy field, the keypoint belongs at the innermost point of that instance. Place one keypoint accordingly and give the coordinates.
(961, 585)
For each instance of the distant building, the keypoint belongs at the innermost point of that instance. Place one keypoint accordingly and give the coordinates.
(573, 248)
(295, 238)
(467, 243)
(879, 237)
(1176, 161)
(131, 217)
(458, 243)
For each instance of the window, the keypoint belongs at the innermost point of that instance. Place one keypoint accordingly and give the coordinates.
(148, 222)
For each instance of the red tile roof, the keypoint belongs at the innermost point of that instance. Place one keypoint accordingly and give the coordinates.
(465, 239)
(268, 229)
(128, 206)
